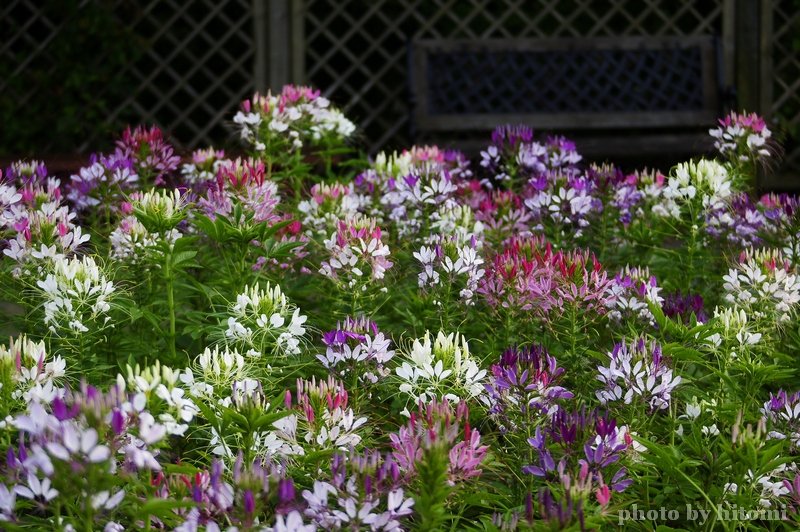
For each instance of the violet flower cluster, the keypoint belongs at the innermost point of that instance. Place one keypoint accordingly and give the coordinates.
(581, 452)
(153, 157)
(783, 411)
(104, 183)
(88, 438)
(363, 493)
(357, 349)
(515, 157)
(681, 307)
(524, 388)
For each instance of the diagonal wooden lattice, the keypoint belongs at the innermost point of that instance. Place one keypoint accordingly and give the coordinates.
(786, 75)
(572, 81)
(195, 67)
(357, 49)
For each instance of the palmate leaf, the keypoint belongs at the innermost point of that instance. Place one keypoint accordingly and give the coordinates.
(272, 249)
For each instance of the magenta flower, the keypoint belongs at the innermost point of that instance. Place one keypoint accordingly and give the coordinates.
(153, 155)
(439, 422)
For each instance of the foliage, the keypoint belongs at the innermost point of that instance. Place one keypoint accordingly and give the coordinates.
(528, 343)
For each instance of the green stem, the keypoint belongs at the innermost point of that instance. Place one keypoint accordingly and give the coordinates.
(446, 307)
(169, 278)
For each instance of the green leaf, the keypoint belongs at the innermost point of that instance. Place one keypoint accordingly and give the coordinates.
(159, 507)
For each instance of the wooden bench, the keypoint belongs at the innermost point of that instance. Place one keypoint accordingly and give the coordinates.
(599, 85)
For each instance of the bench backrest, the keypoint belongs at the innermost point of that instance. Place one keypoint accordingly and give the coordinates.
(572, 83)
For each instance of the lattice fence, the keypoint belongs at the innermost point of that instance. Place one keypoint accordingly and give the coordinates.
(786, 72)
(195, 65)
(357, 49)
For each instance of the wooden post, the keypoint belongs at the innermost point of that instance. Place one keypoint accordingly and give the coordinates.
(748, 72)
(728, 51)
(298, 17)
(279, 44)
(765, 49)
(260, 45)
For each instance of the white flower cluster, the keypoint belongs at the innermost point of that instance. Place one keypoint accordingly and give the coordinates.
(733, 330)
(76, 293)
(204, 166)
(456, 222)
(700, 187)
(131, 241)
(419, 198)
(155, 389)
(567, 200)
(764, 286)
(28, 374)
(439, 370)
(292, 523)
(742, 136)
(215, 372)
(770, 486)
(357, 253)
(160, 210)
(457, 261)
(37, 224)
(329, 203)
(348, 512)
(335, 430)
(630, 294)
(109, 176)
(264, 322)
(297, 114)
(637, 369)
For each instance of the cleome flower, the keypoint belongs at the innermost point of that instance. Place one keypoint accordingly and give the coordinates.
(131, 241)
(524, 387)
(215, 371)
(323, 420)
(637, 370)
(696, 188)
(580, 449)
(28, 374)
(743, 137)
(153, 157)
(439, 370)
(366, 495)
(783, 411)
(76, 294)
(357, 348)
(298, 114)
(440, 422)
(628, 296)
(204, 166)
(329, 203)
(100, 185)
(764, 286)
(264, 322)
(453, 265)
(34, 219)
(357, 255)
(160, 211)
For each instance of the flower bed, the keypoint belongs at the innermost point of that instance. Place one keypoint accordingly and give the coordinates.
(405, 343)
